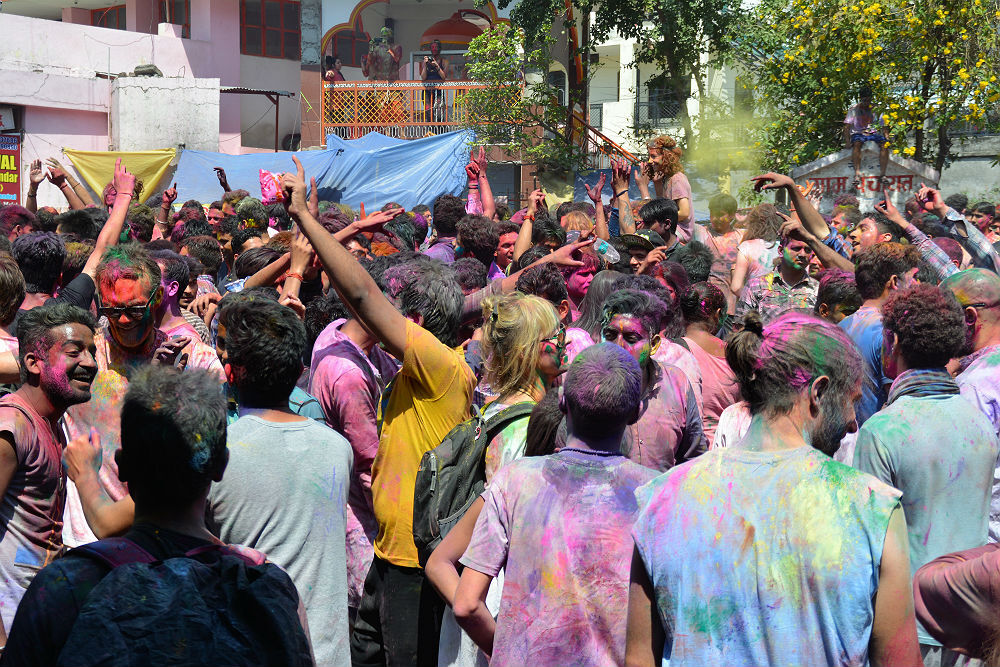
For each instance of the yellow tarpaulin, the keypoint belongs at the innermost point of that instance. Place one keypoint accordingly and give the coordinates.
(98, 167)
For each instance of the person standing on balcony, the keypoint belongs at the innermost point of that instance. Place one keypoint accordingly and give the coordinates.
(333, 73)
(382, 61)
(434, 68)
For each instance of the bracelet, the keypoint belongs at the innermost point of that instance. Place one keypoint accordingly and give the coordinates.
(31, 195)
(293, 274)
(119, 194)
(528, 217)
(623, 192)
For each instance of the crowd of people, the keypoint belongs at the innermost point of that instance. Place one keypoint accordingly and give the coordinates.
(273, 430)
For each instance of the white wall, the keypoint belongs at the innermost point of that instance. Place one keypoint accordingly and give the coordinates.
(149, 113)
(256, 111)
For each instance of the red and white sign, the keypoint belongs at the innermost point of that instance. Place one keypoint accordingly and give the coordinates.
(10, 169)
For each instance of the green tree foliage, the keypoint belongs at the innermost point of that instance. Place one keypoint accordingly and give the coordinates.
(931, 64)
(517, 107)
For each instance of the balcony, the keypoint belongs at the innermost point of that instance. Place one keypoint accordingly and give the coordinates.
(402, 109)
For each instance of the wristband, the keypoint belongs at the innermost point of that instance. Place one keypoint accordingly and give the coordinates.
(529, 218)
(32, 195)
(119, 194)
(623, 192)
(293, 274)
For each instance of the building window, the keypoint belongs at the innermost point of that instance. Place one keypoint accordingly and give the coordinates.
(351, 46)
(270, 28)
(177, 12)
(108, 17)
(557, 82)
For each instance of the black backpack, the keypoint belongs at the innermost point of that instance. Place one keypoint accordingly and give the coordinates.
(215, 605)
(453, 474)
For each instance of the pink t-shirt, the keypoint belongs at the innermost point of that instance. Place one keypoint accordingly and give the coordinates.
(678, 187)
(348, 385)
(718, 386)
(672, 354)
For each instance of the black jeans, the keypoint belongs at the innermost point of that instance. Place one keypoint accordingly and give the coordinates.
(399, 620)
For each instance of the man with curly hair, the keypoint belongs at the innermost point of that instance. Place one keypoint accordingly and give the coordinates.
(928, 441)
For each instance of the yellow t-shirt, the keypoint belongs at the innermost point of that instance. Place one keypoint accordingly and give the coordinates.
(430, 396)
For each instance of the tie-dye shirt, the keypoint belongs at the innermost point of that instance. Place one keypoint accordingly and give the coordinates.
(941, 452)
(669, 429)
(103, 412)
(764, 558)
(559, 525)
(979, 382)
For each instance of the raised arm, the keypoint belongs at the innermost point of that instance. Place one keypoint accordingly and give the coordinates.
(600, 221)
(621, 173)
(828, 256)
(485, 192)
(810, 217)
(58, 178)
(77, 186)
(163, 215)
(984, 255)
(358, 290)
(932, 252)
(523, 241)
(35, 176)
(124, 183)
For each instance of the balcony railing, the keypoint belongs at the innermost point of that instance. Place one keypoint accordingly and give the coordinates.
(403, 109)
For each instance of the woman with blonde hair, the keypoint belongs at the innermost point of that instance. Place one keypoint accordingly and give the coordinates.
(578, 220)
(760, 246)
(667, 173)
(523, 349)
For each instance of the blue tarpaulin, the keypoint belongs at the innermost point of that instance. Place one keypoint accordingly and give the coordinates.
(374, 169)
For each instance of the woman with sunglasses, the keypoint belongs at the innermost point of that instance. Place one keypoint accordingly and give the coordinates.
(524, 347)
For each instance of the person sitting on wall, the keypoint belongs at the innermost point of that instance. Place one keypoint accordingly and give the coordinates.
(861, 125)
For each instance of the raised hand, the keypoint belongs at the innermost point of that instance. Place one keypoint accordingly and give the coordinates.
(293, 188)
(53, 163)
(595, 192)
(472, 171)
(57, 176)
(170, 194)
(220, 173)
(480, 160)
(123, 181)
(36, 174)
(930, 199)
(621, 174)
(772, 181)
(374, 222)
(564, 256)
(889, 210)
(536, 200)
(792, 228)
(293, 303)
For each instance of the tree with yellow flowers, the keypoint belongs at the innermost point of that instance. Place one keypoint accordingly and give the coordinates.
(931, 64)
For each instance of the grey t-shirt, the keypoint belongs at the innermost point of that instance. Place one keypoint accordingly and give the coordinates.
(284, 493)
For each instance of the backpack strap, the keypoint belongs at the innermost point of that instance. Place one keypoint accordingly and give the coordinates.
(114, 551)
(503, 419)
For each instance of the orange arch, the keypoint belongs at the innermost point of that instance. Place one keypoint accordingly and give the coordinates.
(354, 22)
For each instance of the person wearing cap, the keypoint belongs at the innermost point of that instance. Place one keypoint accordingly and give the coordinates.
(978, 292)
(657, 240)
(788, 287)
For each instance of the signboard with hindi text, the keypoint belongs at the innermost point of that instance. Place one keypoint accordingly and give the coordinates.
(10, 169)
(834, 173)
